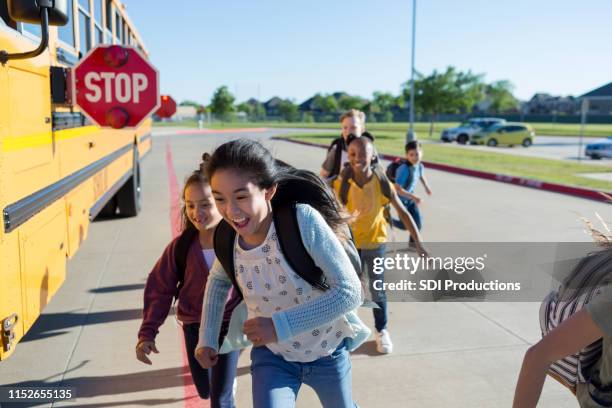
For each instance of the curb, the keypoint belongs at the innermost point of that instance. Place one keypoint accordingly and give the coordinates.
(503, 178)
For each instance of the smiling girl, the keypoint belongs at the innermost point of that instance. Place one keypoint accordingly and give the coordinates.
(300, 333)
(199, 219)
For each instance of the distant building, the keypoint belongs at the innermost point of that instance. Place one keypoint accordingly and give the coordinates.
(546, 104)
(185, 113)
(600, 100)
(308, 106)
(272, 106)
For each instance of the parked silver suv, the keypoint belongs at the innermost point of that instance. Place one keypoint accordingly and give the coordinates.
(463, 133)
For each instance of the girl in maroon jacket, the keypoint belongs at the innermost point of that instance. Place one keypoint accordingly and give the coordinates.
(199, 212)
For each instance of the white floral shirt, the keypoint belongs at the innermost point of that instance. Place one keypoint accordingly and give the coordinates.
(269, 285)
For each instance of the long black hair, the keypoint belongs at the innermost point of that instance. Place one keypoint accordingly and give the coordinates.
(196, 177)
(293, 185)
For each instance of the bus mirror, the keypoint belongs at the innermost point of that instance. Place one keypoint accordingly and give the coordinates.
(46, 12)
(29, 11)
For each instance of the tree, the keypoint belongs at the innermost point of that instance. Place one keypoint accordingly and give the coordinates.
(347, 102)
(499, 93)
(326, 104)
(222, 103)
(447, 92)
(288, 110)
(383, 103)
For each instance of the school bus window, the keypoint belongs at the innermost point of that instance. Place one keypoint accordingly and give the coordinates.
(33, 30)
(84, 33)
(118, 26)
(97, 17)
(66, 33)
(125, 33)
(109, 15)
(98, 12)
(85, 5)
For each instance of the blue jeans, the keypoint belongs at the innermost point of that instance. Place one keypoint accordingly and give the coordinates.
(216, 382)
(276, 382)
(413, 209)
(378, 296)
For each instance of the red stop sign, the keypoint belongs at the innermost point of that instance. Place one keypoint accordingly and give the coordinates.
(167, 108)
(115, 86)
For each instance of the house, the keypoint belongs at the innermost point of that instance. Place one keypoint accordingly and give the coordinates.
(546, 104)
(600, 100)
(272, 106)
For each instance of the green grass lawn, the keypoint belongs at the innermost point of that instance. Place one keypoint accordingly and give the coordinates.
(422, 128)
(554, 171)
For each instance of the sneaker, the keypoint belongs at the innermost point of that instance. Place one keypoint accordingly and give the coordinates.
(383, 342)
(234, 387)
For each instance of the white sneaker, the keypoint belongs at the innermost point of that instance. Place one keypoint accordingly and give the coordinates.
(234, 387)
(383, 342)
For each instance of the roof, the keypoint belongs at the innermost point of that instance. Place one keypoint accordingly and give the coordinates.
(603, 92)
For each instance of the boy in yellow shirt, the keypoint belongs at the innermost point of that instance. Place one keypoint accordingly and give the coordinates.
(366, 191)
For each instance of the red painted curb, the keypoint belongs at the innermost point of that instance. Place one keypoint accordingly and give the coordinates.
(504, 178)
(191, 397)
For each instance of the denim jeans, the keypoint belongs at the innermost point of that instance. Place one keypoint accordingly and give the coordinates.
(413, 209)
(276, 382)
(378, 296)
(216, 382)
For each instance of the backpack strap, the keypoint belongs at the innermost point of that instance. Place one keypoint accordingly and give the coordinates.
(292, 247)
(183, 243)
(385, 184)
(345, 176)
(339, 143)
(410, 174)
(223, 242)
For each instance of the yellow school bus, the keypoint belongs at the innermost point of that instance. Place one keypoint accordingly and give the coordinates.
(57, 170)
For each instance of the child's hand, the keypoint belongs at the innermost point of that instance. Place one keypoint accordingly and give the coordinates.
(144, 348)
(260, 331)
(420, 249)
(429, 192)
(417, 200)
(206, 356)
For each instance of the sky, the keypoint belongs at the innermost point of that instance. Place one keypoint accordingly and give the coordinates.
(290, 49)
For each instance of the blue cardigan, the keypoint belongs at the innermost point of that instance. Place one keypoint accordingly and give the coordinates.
(343, 297)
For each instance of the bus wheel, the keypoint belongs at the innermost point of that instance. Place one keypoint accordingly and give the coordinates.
(128, 197)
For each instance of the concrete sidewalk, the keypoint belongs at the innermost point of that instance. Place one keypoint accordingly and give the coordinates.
(446, 354)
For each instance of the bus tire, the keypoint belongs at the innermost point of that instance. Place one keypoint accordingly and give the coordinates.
(128, 197)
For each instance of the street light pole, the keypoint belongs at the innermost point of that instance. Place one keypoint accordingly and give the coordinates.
(584, 108)
(411, 135)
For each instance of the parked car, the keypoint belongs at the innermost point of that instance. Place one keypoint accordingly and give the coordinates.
(599, 149)
(463, 133)
(505, 134)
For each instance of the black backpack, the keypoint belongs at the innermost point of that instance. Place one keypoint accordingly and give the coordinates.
(391, 170)
(291, 245)
(183, 243)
